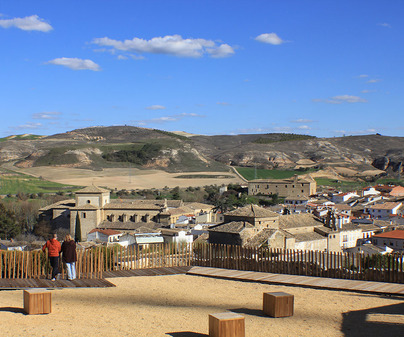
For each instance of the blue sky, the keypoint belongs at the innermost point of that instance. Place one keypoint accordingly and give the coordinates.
(325, 68)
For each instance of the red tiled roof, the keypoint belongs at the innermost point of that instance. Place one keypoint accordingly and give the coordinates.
(105, 231)
(397, 234)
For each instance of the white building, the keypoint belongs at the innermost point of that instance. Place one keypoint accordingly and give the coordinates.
(384, 210)
(104, 235)
(342, 197)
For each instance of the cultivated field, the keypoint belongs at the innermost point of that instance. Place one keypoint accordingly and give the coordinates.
(128, 178)
(179, 306)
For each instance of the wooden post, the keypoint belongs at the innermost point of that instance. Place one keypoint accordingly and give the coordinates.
(226, 324)
(37, 301)
(278, 304)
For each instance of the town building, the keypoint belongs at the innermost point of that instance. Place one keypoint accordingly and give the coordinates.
(96, 210)
(393, 239)
(292, 187)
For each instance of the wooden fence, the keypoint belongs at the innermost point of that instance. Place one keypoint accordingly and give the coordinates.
(354, 266)
(92, 262)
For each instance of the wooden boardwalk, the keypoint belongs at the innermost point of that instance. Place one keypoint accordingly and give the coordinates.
(13, 284)
(302, 281)
(146, 272)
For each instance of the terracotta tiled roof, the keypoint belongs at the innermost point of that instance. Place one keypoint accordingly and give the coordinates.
(397, 234)
(105, 231)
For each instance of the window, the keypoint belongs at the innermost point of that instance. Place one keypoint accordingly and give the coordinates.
(83, 215)
(345, 238)
(88, 201)
(286, 186)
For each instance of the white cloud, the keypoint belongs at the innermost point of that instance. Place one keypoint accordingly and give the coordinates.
(270, 38)
(155, 107)
(46, 115)
(169, 45)
(223, 103)
(28, 126)
(302, 120)
(363, 76)
(349, 99)
(76, 63)
(165, 119)
(33, 22)
(373, 81)
(367, 91)
(387, 25)
(304, 127)
(341, 99)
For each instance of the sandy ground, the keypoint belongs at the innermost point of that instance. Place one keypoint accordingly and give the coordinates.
(125, 178)
(178, 305)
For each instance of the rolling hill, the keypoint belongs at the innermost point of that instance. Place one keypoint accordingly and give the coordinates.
(126, 146)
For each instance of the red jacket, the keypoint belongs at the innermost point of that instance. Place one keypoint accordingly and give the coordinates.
(53, 246)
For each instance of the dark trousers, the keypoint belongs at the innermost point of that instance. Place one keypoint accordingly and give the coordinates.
(54, 262)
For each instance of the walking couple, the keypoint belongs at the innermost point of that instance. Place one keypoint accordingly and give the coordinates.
(69, 256)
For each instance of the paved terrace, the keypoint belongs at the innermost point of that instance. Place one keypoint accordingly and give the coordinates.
(369, 287)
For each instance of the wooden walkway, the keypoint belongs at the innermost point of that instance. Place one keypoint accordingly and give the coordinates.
(146, 272)
(13, 284)
(302, 281)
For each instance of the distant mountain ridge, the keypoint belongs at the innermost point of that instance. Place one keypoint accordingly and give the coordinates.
(122, 146)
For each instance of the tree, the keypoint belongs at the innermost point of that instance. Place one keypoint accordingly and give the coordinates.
(77, 230)
(9, 227)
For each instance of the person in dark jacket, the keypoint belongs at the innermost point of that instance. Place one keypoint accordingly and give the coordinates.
(53, 246)
(69, 256)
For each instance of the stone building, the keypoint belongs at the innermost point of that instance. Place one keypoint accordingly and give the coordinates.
(292, 187)
(96, 210)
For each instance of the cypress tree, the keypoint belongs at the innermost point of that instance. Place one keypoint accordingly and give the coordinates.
(77, 230)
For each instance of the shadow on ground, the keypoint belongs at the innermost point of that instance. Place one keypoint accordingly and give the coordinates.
(246, 311)
(186, 334)
(13, 309)
(379, 321)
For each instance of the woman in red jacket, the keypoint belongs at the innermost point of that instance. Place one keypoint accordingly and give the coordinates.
(69, 256)
(54, 248)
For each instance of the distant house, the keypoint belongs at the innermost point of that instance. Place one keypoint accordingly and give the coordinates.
(393, 239)
(140, 239)
(297, 200)
(342, 197)
(369, 249)
(11, 245)
(384, 210)
(292, 187)
(176, 236)
(340, 238)
(369, 191)
(390, 190)
(104, 235)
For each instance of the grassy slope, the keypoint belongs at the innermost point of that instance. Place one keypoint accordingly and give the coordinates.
(18, 182)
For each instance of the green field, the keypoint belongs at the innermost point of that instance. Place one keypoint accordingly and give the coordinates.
(250, 173)
(204, 176)
(26, 184)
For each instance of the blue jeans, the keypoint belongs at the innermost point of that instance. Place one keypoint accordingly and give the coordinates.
(71, 270)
